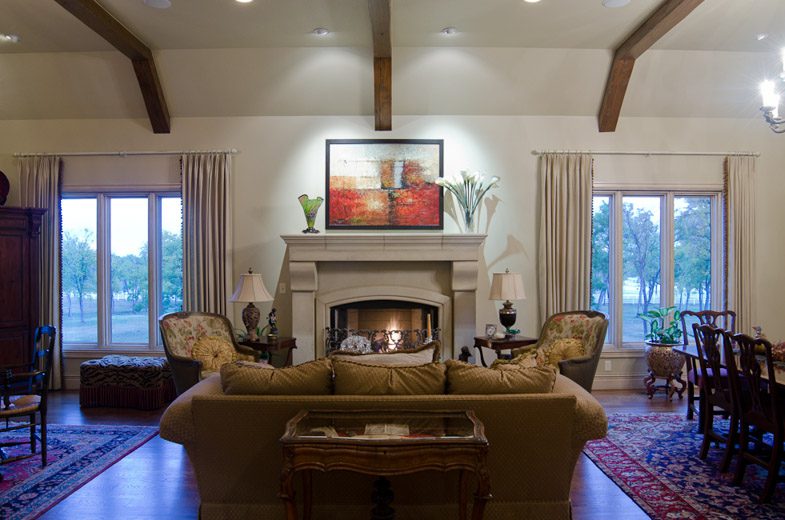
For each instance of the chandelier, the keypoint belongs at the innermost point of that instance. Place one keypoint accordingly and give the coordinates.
(771, 101)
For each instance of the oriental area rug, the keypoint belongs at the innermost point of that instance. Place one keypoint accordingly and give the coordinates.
(654, 459)
(75, 455)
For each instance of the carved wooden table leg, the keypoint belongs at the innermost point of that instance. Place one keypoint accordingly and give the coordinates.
(649, 382)
(677, 379)
(483, 493)
(463, 494)
(307, 494)
(286, 493)
(382, 496)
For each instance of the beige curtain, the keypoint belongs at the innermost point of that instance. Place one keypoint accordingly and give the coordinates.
(40, 179)
(740, 240)
(565, 233)
(206, 231)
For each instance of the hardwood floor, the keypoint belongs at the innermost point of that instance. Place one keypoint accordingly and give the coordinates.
(156, 481)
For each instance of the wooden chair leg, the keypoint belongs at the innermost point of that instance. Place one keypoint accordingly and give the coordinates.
(773, 469)
(741, 463)
(730, 446)
(690, 400)
(32, 432)
(708, 431)
(43, 441)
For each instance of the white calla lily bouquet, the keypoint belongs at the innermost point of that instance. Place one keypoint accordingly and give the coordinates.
(468, 190)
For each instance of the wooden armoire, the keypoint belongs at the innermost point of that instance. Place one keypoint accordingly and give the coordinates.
(19, 289)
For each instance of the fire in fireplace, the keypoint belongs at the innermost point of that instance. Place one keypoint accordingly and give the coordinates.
(381, 325)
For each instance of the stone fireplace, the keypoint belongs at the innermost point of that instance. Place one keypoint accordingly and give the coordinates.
(419, 271)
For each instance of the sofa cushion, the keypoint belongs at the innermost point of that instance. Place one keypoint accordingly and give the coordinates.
(428, 353)
(361, 379)
(463, 378)
(247, 378)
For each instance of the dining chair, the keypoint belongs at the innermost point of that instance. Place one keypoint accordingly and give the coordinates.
(753, 383)
(715, 392)
(725, 320)
(25, 396)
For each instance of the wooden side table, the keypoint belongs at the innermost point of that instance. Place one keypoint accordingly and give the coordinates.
(280, 350)
(355, 441)
(501, 344)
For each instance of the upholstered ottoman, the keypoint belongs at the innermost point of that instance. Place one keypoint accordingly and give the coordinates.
(144, 383)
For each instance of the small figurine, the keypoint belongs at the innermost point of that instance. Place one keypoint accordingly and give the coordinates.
(272, 320)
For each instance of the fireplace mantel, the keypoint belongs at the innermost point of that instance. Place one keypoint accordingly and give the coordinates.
(401, 247)
(459, 253)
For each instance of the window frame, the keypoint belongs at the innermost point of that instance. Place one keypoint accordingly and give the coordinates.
(103, 200)
(667, 196)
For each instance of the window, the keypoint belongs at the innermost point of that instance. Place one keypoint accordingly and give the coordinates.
(120, 253)
(652, 250)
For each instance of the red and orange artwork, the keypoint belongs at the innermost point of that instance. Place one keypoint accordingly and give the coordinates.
(384, 184)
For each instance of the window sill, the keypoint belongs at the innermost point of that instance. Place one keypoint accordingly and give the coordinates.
(92, 353)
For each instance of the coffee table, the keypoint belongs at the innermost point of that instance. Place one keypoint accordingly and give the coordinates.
(385, 443)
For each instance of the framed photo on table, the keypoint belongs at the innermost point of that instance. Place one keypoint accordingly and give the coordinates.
(384, 184)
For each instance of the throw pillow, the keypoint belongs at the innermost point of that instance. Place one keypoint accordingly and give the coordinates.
(243, 378)
(213, 352)
(560, 349)
(361, 379)
(428, 353)
(463, 378)
(527, 359)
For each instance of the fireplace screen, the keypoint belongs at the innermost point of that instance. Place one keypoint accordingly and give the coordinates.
(381, 326)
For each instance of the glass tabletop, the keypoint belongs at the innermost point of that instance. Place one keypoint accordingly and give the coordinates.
(383, 425)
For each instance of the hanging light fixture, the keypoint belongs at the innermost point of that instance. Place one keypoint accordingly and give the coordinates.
(770, 93)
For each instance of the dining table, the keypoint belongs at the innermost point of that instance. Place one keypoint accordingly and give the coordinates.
(691, 353)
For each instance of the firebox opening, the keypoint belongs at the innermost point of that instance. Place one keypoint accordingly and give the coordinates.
(381, 325)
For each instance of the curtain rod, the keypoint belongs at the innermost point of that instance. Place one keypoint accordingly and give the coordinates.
(232, 151)
(610, 152)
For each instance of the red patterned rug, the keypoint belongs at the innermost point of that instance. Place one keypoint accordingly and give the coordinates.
(75, 455)
(654, 459)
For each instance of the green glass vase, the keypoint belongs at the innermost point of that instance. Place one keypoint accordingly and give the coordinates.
(310, 208)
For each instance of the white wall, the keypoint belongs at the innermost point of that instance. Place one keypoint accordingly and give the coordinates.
(282, 157)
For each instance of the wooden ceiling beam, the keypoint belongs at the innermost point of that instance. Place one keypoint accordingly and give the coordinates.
(90, 13)
(382, 63)
(665, 18)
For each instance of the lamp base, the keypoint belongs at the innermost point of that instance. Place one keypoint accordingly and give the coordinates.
(507, 315)
(251, 320)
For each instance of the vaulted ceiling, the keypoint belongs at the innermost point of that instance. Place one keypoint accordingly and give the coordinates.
(223, 58)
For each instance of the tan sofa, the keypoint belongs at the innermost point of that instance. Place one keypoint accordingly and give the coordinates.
(535, 439)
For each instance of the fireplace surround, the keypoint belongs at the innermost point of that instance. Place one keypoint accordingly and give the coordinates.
(435, 270)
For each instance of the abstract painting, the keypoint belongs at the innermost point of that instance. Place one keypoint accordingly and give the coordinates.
(384, 184)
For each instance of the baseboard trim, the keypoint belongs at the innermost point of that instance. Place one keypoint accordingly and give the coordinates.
(71, 382)
(619, 382)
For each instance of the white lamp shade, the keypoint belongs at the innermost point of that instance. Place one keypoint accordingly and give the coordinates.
(251, 289)
(507, 286)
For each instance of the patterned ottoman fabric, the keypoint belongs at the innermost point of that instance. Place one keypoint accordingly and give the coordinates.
(126, 382)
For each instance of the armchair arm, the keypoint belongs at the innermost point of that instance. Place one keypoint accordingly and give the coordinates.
(522, 350)
(248, 351)
(185, 371)
(580, 369)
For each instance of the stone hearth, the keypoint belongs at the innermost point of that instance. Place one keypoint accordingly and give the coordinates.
(333, 269)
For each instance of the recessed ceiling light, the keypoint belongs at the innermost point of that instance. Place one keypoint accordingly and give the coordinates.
(321, 31)
(615, 3)
(761, 36)
(449, 31)
(10, 38)
(158, 4)
(531, 1)
(243, 1)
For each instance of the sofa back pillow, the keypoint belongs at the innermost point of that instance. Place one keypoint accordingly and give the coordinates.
(244, 378)
(428, 353)
(463, 378)
(360, 379)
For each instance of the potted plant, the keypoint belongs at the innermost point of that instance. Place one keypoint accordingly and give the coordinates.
(664, 333)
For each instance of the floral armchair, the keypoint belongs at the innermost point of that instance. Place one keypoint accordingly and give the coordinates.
(572, 341)
(197, 344)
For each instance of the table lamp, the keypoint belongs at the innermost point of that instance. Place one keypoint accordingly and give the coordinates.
(251, 289)
(507, 286)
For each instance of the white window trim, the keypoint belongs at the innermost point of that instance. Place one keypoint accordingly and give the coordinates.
(616, 280)
(103, 271)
